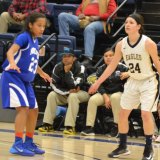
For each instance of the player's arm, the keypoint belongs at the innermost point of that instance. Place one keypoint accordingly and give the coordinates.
(151, 47)
(10, 56)
(21, 41)
(44, 75)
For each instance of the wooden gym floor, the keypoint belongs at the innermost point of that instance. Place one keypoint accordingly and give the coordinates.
(60, 147)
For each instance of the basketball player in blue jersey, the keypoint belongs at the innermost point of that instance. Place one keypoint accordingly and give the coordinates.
(17, 92)
(138, 52)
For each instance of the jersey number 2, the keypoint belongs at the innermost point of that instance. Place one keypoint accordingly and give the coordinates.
(133, 68)
(33, 65)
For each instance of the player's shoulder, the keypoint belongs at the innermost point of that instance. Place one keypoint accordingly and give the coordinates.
(119, 44)
(24, 36)
(123, 40)
(149, 43)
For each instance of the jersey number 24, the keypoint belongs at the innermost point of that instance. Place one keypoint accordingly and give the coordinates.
(134, 68)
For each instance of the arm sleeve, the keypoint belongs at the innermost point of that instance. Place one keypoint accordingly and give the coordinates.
(41, 8)
(80, 77)
(79, 9)
(59, 90)
(55, 85)
(55, 75)
(101, 89)
(123, 67)
(21, 40)
(110, 9)
(69, 79)
(77, 78)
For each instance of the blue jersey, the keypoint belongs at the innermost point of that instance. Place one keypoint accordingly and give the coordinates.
(26, 58)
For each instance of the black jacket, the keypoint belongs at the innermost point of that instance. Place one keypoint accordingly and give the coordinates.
(113, 83)
(63, 82)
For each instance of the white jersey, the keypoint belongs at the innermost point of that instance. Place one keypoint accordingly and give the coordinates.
(137, 59)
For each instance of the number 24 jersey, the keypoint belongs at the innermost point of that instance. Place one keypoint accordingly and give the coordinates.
(137, 59)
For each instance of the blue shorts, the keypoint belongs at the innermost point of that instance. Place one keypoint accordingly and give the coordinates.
(16, 93)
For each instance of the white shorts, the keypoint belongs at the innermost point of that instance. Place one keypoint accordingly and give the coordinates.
(144, 92)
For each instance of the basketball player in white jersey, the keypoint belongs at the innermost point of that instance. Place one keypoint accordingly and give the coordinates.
(138, 52)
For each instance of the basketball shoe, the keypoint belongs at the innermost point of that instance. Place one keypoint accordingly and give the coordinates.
(46, 128)
(19, 149)
(69, 130)
(118, 152)
(148, 153)
(29, 145)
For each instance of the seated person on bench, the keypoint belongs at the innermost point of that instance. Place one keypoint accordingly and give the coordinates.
(109, 94)
(68, 77)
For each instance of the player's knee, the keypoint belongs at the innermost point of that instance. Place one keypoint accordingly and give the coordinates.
(146, 116)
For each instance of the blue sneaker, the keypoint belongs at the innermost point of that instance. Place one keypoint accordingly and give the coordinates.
(33, 147)
(19, 149)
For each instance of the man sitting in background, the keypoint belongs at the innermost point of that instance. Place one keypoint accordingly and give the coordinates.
(97, 12)
(109, 95)
(19, 10)
(68, 78)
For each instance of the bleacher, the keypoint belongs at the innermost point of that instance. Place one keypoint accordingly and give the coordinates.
(148, 8)
(102, 41)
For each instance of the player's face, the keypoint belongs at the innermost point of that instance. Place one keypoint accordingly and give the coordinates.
(38, 27)
(131, 26)
(68, 59)
(108, 56)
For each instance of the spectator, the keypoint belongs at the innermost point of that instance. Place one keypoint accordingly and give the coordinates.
(19, 10)
(68, 77)
(109, 94)
(97, 13)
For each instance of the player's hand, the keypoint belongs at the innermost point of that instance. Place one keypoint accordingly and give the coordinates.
(46, 77)
(14, 67)
(94, 87)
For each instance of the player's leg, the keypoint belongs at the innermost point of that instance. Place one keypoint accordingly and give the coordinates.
(31, 122)
(20, 122)
(14, 96)
(149, 99)
(123, 131)
(148, 127)
(129, 98)
(30, 127)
